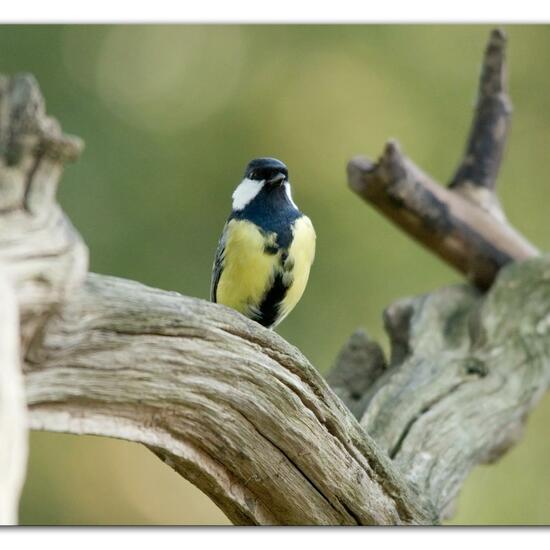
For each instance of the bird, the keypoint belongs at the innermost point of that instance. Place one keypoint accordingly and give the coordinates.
(267, 247)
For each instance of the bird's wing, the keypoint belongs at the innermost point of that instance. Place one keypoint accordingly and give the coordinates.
(217, 268)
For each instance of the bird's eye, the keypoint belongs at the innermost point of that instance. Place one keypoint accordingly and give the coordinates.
(253, 175)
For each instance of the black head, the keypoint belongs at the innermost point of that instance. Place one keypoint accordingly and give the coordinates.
(273, 171)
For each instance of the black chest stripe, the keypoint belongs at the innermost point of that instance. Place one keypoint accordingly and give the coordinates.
(269, 308)
(270, 249)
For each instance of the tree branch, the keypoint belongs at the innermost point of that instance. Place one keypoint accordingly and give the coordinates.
(467, 375)
(245, 417)
(226, 403)
(42, 258)
(461, 233)
(464, 225)
(481, 163)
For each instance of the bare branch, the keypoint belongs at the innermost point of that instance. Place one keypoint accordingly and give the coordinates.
(476, 175)
(244, 416)
(231, 406)
(465, 236)
(465, 224)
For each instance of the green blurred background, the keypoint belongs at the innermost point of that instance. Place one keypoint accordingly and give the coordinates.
(171, 115)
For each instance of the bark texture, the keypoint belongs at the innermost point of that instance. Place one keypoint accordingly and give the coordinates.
(233, 407)
(465, 375)
(42, 259)
(228, 404)
(244, 416)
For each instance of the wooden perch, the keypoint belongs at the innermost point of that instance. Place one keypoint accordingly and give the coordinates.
(463, 224)
(226, 403)
(233, 407)
(243, 415)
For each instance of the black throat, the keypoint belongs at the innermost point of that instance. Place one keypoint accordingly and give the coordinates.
(272, 211)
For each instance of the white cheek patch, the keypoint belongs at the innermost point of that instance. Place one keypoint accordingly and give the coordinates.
(289, 194)
(245, 192)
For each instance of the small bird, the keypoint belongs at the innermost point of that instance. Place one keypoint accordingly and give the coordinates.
(266, 249)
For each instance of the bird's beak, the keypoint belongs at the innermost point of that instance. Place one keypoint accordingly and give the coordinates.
(277, 179)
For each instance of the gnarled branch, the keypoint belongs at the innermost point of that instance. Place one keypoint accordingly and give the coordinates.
(42, 259)
(228, 404)
(468, 374)
(244, 416)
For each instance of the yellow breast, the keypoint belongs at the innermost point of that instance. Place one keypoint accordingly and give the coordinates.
(248, 271)
(302, 253)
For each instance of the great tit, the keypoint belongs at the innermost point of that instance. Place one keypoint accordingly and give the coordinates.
(266, 249)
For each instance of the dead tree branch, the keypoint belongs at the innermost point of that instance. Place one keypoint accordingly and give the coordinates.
(464, 224)
(41, 258)
(466, 375)
(477, 173)
(229, 405)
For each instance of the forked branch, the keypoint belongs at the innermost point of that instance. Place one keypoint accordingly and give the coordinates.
(464, 224)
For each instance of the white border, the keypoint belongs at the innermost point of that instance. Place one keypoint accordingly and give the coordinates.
(281, 11)
(231, 538)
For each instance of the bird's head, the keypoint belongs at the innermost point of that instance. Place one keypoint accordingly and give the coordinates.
(264, 173)
(268, 170)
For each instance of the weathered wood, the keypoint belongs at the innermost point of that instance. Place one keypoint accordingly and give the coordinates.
(469, 373)
(13, 410)
(463, 224)
(228, 404)
(245, 417)
(42, 259)
(41, 252)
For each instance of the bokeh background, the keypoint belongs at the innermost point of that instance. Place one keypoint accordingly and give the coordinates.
(171, 115)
